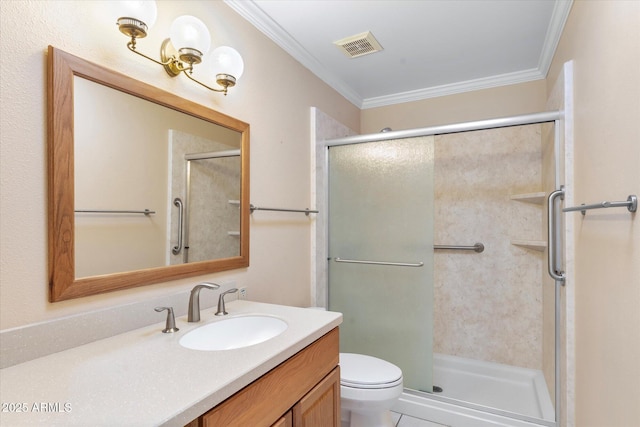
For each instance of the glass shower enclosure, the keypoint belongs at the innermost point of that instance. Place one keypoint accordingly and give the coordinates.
(463, 326)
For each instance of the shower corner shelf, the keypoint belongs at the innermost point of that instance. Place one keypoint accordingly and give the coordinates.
(536, 245)
(535, 198)
(233, 233)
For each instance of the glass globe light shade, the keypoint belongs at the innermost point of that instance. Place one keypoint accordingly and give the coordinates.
(188, 32)
(227, 60)
(142, 10)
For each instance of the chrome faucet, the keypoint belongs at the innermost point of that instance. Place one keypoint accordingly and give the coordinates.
(194, 300)
(221, 309)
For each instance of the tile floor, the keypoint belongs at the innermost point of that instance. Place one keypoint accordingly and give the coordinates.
(401, 420)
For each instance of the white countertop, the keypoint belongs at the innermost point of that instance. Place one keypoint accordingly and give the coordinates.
(145, 378)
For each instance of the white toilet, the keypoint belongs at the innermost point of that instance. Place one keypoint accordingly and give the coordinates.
(368, 389)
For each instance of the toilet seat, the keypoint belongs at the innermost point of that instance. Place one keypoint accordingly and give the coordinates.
(367, 372)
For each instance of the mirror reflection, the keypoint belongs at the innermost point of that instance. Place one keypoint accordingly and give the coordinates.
(132, 155)
(144, 186)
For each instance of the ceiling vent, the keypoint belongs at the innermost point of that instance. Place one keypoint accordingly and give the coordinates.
(358, 45)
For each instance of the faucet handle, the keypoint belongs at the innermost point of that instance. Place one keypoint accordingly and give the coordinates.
(170, 326)
(221, 308)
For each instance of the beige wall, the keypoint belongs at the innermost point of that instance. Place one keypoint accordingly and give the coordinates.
(502, 101)
(603, 39)
(278, 112)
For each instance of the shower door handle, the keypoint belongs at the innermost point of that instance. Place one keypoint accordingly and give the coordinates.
(398, 264)
(554, 250)
(176, 249)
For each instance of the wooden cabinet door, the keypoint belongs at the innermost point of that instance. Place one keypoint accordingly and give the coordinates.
(265, 400)
(321, 406)
(285, 421)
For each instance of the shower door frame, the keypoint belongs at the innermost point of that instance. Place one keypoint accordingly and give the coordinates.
(555, 117)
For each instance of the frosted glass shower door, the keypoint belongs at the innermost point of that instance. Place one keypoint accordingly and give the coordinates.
(381, 210)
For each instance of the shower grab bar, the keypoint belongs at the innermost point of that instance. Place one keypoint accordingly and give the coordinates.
(399, 264)
(176, 249)
(553, 253)
(306, 211)
(478, 247)
(631, 204)
(144, 212)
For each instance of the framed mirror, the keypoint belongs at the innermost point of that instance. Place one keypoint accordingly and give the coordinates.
(144, 186)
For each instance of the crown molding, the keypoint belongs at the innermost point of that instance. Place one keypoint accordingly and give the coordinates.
(454, 88)
(554, 32)
(256, 16)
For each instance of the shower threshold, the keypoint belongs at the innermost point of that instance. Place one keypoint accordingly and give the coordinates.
(476, 391)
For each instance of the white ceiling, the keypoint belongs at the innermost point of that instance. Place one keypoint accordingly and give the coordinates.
(430, 47)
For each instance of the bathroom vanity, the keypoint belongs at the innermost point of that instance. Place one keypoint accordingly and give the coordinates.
(145, 377)
(303, 391)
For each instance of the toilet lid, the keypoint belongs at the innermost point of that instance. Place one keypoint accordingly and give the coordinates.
(361, 371)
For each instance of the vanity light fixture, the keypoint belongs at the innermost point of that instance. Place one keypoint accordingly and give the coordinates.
(188, 43)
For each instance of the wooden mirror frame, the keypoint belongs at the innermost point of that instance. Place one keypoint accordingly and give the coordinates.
(63, 285)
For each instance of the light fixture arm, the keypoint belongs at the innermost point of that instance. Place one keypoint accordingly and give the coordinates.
(132, 47)
(204, 85)
(169, 62)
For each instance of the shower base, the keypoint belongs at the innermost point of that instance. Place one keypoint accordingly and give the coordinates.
(477, 393)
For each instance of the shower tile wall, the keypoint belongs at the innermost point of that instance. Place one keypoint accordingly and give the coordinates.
(488, 306)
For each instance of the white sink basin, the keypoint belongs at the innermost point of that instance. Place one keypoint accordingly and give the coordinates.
(235, 332)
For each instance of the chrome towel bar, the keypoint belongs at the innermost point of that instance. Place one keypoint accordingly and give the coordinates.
(145, 212)
(478, 247)
(399, 264)
(306, 211)
(631, 204)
